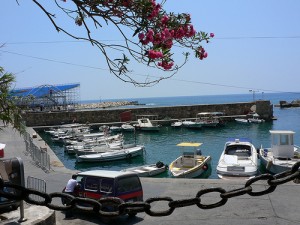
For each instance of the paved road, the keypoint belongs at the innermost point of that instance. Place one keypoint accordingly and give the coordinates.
(279, 207)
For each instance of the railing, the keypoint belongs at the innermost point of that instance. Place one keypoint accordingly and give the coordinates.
(38, 154)
(36, 184)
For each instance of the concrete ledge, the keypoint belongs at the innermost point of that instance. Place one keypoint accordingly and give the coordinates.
(36, 215)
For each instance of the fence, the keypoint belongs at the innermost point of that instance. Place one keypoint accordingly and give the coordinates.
(38, 154)
(36, 184)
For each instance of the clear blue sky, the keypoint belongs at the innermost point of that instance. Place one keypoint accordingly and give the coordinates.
(256, 46)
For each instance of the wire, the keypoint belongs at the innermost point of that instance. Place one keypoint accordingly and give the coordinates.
(143, 75)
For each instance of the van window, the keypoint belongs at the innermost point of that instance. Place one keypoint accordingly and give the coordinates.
(92, 183)
(106, 185)
(128, 184)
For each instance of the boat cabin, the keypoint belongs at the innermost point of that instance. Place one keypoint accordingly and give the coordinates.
(282, 143)
(189, 155)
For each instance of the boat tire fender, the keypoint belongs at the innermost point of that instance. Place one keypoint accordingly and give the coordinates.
(128, 156)
(205, 167)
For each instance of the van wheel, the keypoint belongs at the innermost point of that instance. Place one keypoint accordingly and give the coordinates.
(133, 214)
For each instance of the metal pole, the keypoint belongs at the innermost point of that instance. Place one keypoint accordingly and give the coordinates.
(22, 217)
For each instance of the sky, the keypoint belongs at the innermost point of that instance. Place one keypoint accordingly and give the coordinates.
(256, 47)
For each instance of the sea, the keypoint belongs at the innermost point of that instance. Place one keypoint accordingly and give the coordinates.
(161, 146)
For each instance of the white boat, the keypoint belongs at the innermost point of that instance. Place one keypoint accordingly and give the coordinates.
(145, 124)
(282, 154)
(115, 128)
(97, 149)
(238, 160)
(241, 120)
(148, 170)
(255, 118)
(191, 163)
(192, 124)
(127, 127)
(127, 153)
(251, 118)
(177, 124)
(207, 119)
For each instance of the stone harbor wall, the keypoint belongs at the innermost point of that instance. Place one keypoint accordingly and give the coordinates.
(111, 115)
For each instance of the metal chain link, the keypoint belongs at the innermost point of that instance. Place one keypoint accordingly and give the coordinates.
(100, 206)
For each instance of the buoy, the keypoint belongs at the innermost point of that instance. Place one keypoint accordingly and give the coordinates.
(205, 167)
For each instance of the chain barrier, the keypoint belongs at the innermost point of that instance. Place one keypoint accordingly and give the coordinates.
(121, 207)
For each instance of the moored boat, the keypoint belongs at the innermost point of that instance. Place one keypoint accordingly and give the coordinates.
(282, 154)
(148, 170)
(191, 163)
(145, 124)
(127, 153)
(238, 160)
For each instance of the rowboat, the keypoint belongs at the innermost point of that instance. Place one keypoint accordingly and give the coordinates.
(112, 155)
(148, 170)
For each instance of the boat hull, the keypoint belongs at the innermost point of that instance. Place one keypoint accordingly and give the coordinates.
(112, 155)
(194, 172)
(238, 160)
(273, 165)
(147, 170)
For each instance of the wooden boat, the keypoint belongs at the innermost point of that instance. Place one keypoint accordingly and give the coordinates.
(148, 170)
(282, 154)
(191, 163)
(238, 160)
(127, 153)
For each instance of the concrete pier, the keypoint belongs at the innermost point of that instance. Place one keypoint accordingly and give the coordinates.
(279, 207)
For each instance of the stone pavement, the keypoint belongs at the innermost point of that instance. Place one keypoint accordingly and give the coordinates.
(279, 207)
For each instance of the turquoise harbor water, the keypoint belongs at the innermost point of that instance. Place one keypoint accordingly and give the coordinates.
(161, 146)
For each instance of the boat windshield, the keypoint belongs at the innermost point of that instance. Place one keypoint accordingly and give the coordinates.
(238, 150)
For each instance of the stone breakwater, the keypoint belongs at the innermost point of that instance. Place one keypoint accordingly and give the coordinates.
(103, 105)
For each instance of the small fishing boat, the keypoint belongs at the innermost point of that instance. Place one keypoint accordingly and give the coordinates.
(191, 124)
(177, 124)
(127, 153)
(207, 119)
(146, 123)
(238, 160)
(127, 127)
(282, 154)
(191, 163)
(148, 170)
(115, 128)
(251, 118)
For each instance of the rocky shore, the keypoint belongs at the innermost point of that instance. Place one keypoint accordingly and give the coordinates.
(103, 105)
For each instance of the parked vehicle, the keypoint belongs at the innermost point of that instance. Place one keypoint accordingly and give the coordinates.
(98, 184)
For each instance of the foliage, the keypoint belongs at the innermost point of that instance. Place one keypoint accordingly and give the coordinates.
(9, 112)
(154, 33)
